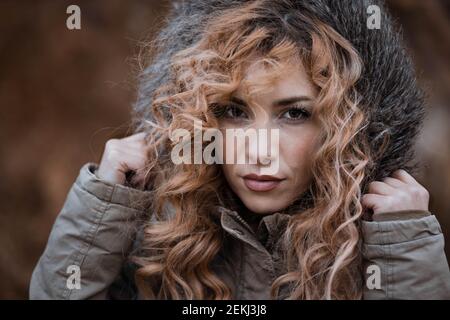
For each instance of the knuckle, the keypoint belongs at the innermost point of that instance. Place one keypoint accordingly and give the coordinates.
(113, 154)
(403, 195)
(391, 202)
(421, 192)
(111, 144)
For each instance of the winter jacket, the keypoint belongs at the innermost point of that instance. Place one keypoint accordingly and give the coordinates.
(95, 231)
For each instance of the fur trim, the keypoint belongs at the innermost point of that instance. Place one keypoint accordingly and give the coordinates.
(387, 86)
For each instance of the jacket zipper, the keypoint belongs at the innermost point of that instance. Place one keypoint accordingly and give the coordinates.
(244, 222)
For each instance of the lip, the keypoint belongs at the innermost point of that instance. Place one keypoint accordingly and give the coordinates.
(261, 183)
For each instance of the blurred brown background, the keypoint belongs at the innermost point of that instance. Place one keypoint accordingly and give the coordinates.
(64, 93)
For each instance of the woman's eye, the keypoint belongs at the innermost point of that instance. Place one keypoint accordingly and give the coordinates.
(228, 111)
(235, 112)
(295, 114)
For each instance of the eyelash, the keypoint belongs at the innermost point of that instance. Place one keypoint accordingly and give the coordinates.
(230, 107)
(224, 109)
(305, 114)
(221, 111)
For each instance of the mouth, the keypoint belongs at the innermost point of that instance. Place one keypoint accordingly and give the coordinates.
(261, 183)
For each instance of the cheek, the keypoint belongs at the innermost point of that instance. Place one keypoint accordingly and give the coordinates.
(230, 173)
(297, 154)
(229, 148)
(227, 170)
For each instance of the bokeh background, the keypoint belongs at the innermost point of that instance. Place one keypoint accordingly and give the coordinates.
(64, 93)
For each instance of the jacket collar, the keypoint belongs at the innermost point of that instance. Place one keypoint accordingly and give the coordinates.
(263, 237)
(266, 230)
(259, 231)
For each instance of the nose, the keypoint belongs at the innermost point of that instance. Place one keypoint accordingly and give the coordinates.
(263, 150)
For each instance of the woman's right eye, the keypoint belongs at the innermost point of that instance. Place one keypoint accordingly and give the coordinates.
(235, 112)
(229, 111)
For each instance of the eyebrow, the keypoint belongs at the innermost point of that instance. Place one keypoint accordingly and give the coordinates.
(276, 103)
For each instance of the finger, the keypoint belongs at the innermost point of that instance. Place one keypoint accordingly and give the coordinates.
(394, 182)
(133, 163)
(371, 200)
(378, 187)
(136, 146)
(404, 176)
(139, 146)
(140, 143)
(127, 152)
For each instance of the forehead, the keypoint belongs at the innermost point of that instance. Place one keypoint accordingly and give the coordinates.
(263, 83)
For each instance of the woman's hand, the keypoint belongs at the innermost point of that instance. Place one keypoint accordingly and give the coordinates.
(121, 156)
(398, 192)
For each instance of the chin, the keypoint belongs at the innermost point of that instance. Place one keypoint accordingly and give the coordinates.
(263, 205)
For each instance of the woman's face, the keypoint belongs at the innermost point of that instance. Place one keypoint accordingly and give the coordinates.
(287, 106)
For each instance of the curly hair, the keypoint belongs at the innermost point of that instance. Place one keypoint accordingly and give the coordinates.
(322, 243)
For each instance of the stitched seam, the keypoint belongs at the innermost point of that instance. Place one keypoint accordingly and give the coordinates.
(90, 236)
(109, 198)
(137, 210)
(390, 267)
(400, 242)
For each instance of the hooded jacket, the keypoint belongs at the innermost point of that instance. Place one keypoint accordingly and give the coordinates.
(96, 227)
(95, 230)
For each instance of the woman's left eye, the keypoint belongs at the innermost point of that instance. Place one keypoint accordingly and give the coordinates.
(295, 114)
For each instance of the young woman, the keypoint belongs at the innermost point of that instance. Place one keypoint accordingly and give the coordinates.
(340, 218)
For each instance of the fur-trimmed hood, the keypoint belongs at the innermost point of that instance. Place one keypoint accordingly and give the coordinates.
(387, 86)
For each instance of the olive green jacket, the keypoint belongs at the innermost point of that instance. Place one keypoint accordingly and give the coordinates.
(96, 228)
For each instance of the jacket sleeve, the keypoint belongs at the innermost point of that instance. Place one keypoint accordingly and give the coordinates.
(404, 257)
(90, 238)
